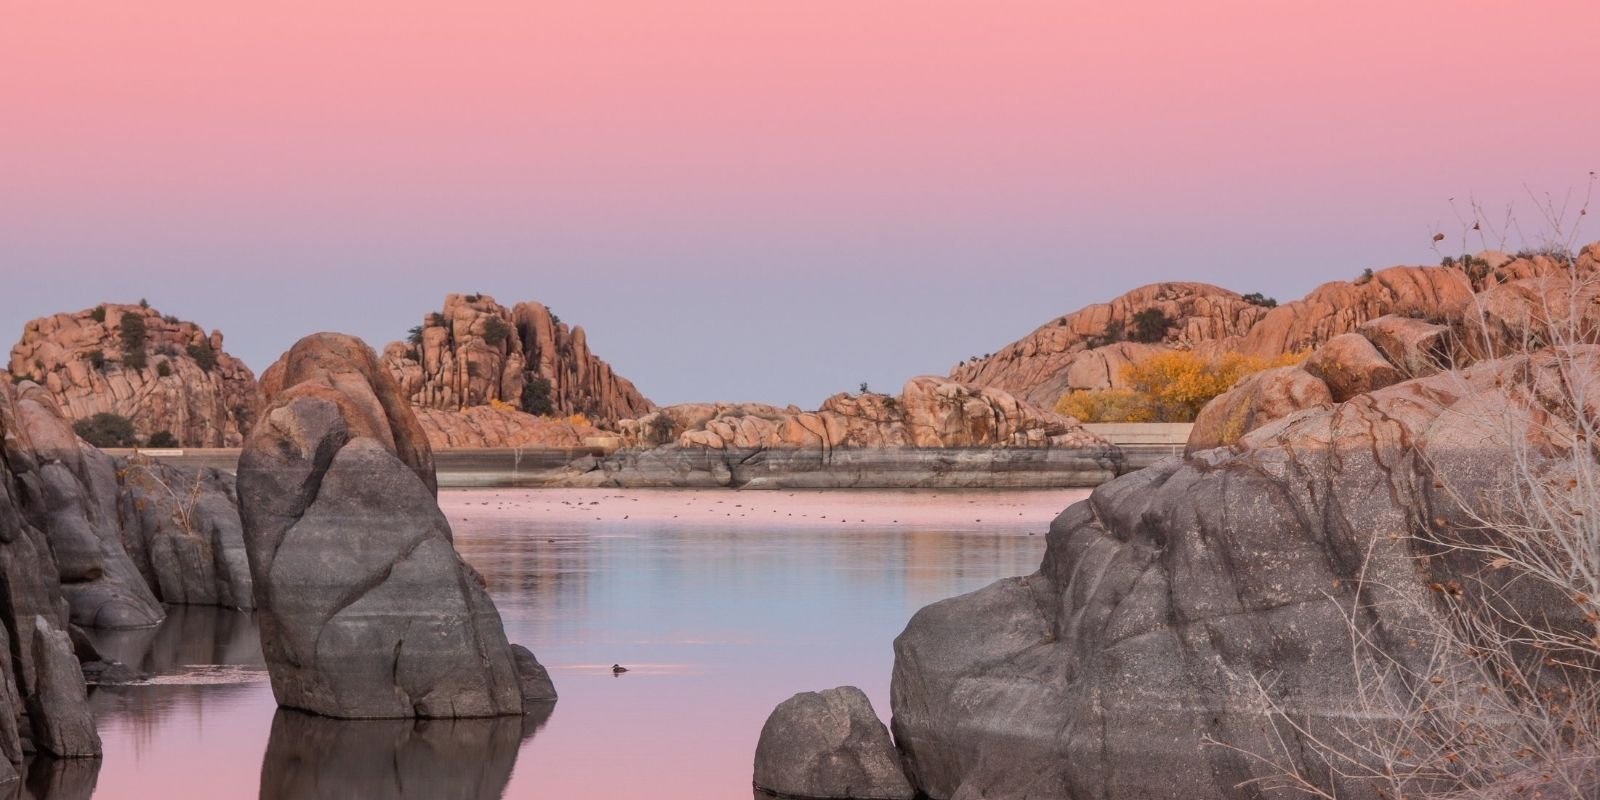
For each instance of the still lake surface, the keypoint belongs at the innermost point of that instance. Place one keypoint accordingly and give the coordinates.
(722, 604)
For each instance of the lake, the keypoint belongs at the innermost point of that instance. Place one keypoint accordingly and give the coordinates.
(721, 604)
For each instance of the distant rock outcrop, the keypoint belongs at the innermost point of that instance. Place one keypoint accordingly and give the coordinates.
(163, 374)
(934, 434)
(494, 427)
(1088, 348)
(928, 413)
(477, 352)
(366, 609)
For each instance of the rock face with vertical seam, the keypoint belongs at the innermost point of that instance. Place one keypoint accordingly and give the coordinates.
(366, 610)
(1161, 596)
(43, 706)
(829, 745)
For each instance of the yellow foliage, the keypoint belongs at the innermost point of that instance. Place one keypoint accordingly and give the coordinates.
(501, 405)
(580, 421)
(1105, 405)
(1167, 387)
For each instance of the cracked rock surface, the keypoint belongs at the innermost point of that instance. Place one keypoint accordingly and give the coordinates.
(366, 610)
(1164, 594)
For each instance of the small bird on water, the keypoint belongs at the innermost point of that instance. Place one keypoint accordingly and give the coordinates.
(618, 670)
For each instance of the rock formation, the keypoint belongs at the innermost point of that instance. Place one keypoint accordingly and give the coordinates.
(1165, 595)
(168, 376)
(181, 528)
(477, 352)
(935, 434)
(829, 744)
(38, 708)
(492, 427)
(68, 492)
(1077, 351)
(929, 412)
(1510, 316)
(366, 610)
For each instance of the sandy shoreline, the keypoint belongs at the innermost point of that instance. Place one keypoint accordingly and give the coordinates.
(957, 510)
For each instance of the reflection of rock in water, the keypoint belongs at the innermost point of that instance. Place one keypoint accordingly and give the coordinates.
(318, 758)
(181, 655)
(55, 779)
(190, 636)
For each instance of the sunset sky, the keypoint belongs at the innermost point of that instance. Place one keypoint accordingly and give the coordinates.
(750, 200)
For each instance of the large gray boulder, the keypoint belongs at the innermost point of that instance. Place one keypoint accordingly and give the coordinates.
(40, 709)
(828, 745)
(181, 528)
(1172, 594)
(366, 610)
(69, 493)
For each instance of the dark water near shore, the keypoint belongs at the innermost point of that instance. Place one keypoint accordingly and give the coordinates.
(722, 604)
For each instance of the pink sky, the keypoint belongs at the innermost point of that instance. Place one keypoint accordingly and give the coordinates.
(758, 168)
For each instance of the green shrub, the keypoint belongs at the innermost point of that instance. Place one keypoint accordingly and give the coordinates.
(163, 369)
(143, 303)
(162, 439)
(1259, 299)
(474, 297)
(495, 331)
(436, 320)
(97, 359)
(536, 396)
(98, 314)
(171, 319)
(106, 430)
(131, 330)
(203, 355)
(414, 336)
(1150, 326)
(1366, 275)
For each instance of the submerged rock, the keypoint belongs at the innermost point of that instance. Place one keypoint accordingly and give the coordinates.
(366, 609)
(829, 745)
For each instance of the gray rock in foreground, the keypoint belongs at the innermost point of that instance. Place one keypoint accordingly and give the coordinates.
(181, 527)
(829, 745)
(1163, 596)
(366, 610)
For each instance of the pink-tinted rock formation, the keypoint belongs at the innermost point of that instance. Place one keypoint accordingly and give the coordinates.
(477, 351)
(186, 384)
(929, 413)
(492, 427)
(1075, 352)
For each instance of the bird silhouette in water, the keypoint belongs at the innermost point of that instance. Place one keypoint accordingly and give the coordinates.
(617, 669)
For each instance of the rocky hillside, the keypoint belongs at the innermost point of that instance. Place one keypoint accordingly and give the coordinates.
(1087, 348)
(160, 372)
(928, 413)
(476, 352)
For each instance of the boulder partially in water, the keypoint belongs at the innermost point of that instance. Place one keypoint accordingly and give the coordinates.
(1172, 595)
(181, 528)
(829, 745)
(366, 610)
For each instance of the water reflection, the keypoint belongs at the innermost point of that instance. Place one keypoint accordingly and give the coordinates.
(316, 758)
(55, 779)
(723, 604)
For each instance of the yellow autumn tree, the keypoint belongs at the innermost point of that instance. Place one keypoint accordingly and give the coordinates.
(1167, 387)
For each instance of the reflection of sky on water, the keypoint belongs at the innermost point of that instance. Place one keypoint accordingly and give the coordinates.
(718, 622)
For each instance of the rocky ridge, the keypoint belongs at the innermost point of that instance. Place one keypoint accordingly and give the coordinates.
(178, 379)
(1071, 352)
(476, 352)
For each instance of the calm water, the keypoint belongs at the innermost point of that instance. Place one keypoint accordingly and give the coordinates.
(722, 604)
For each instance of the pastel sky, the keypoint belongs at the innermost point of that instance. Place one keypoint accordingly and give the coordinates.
(742, 199)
